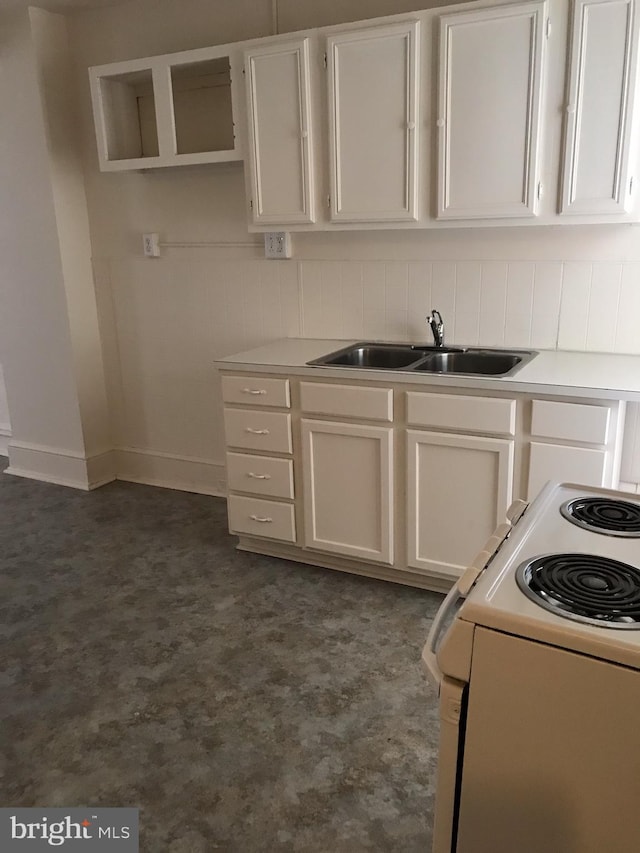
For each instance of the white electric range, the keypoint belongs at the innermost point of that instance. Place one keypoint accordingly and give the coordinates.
(536, 653)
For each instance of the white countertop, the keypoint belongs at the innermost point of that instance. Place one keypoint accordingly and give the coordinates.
(571, 374)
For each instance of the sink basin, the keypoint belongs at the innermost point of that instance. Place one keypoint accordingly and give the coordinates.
(427, 359)
(485, 363)
(381, 356)
(385, 356)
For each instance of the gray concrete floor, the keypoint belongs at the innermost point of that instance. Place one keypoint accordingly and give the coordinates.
(242, 703)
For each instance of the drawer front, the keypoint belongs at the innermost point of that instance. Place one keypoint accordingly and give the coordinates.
(256, 517)
(256, 391)
(570, 421)
(261, 475)
(257, 430)
(454, 411)
(351, 401)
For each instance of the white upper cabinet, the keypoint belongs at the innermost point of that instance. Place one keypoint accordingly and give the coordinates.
(373, 123)
(280, 132)
(489, 103)
(600, 95)
(170, 110)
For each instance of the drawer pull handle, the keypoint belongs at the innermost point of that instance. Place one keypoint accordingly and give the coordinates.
(260, 518)
(257, 431)
(253, 391)
(259, 476)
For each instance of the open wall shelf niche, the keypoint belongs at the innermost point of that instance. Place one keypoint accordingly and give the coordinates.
(170, 110)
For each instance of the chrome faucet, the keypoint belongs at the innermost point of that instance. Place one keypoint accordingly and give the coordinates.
(437, 327)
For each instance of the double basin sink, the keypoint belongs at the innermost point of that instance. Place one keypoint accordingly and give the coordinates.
(428, 359)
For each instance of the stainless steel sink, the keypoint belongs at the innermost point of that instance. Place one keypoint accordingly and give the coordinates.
(384, 356)
(483, 363)
(427, 359)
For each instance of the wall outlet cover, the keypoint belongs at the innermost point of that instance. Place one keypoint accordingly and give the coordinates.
(277, 244)
(151, 245)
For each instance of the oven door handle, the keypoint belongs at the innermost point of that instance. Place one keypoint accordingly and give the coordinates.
(429, 652)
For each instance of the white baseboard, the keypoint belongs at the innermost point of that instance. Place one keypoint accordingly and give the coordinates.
(63, 467)
(170, 471)
(153, 468)
(5, 438)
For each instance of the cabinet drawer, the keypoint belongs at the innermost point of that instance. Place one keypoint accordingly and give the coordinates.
(261, 475)
(256, 391)
(456, 411)
(258, 430)
(570, 421)
(351, 401)
(269, 519)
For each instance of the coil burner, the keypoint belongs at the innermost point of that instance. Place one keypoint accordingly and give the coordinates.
(584, 587)
(604, 515)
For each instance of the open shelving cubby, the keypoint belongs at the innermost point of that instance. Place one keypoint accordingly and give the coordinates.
(170, 110)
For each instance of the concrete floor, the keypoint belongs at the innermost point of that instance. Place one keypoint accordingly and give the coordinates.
(242, 703)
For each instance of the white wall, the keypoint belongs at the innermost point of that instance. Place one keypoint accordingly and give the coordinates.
(164, 321)
(5, 423)
(49, 343)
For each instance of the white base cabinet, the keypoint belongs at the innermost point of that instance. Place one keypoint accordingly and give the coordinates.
(398, 481)
(348, 489)
(575, 443)
(458, 491)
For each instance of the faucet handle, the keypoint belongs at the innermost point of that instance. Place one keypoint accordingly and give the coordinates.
(436, 323)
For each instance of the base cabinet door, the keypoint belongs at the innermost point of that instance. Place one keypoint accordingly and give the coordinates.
(347, 489)
(558, 462)
(458, 491)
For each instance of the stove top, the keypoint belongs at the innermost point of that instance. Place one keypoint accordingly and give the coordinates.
(557, 580)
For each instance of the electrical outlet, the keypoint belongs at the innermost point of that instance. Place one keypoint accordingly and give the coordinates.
(151, 245)
(277, 244)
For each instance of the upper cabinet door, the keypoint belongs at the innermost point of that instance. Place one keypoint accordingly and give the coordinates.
(373, 123)
(489, 97)
(280, 158)
(596, 176)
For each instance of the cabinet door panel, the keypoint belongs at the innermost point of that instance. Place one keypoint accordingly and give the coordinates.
(280, 132)
(600, 99)
(489, 103)
(348, 500)
(458, 491)
(373, 123)
(584, 465)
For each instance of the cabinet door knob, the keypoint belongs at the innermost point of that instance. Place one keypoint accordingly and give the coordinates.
(304, 134)
(260, 518)
(411, 125)
(257, 431)
(259, 476)
(440, 122)
(571, 109)
(253, 391)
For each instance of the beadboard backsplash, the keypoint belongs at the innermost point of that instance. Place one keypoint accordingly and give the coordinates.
(546, 304)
